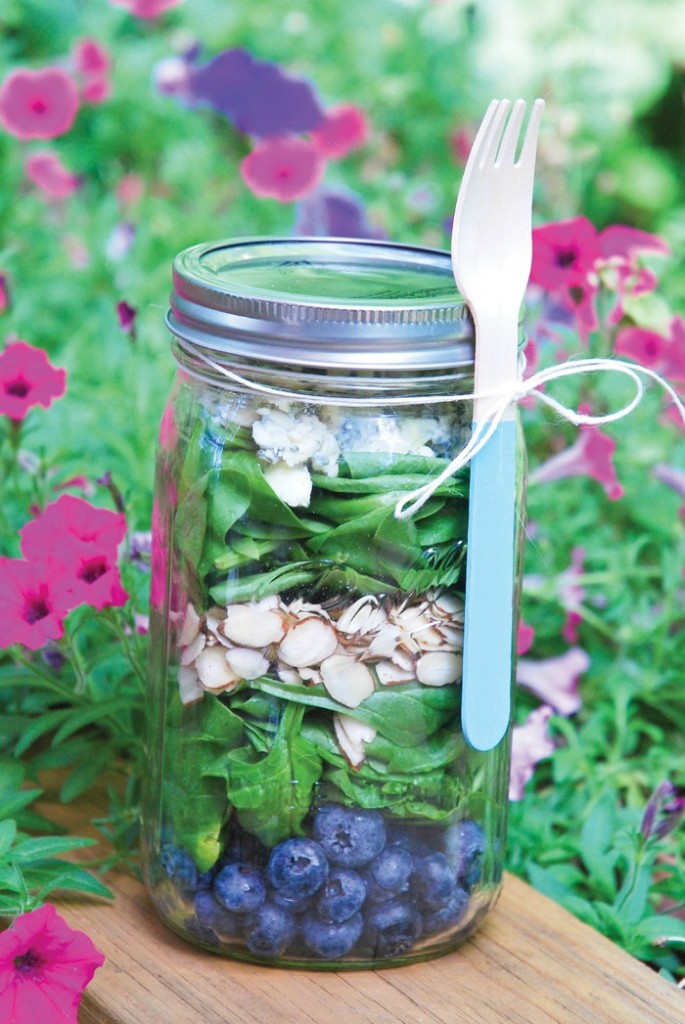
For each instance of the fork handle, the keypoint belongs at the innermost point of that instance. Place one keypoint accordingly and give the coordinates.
(487, 678)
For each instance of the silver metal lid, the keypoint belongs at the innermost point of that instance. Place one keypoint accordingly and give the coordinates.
(322, 302)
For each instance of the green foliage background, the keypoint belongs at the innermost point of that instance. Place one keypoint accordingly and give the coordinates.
(612, 148)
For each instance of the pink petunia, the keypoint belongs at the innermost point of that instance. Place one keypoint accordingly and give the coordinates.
(38, 104)
(4, 294)
(27, 378)
(530, 743)
(283, 168)
(564, 254)
(90, 57)
(130, 189)
(45, 966)
(591, 455)
(85, 539)
(621, 266)
(46, 170)
(663, 353)
(555, 680)
(147, 8)
(345, 128)
(33, 603)
(572, 594)
(524, 639)
(93, 65)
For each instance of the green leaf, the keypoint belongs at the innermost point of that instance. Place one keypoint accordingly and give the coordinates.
(53, 875)
(544, 881)
(200, 734)
(78, 719)
(8, 831)
(41, 847)
(272, 793)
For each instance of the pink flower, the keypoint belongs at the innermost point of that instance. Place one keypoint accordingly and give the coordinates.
(4, 294)
(33, 603)
(90, 57)
(572, 594)
(38, 104)
(46, 170)
(130, 189)
(620, 264)
(591, 455)
(530, 743)
(564, 254)
(147, 8)
(665, 354)
(45, 967)
(85, 539)
(93, 65)
(345, 128)
(525, 637)
(168, 431)
(27, 378)
(555, 680)
(283, 168)
(127, 318)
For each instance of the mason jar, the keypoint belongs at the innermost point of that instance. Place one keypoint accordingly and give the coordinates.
(311, 797)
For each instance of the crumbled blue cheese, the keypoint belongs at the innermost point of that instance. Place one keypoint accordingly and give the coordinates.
(291, 443)
(292, 484)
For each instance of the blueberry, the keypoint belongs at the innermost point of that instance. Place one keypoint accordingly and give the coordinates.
(294, 906)
(434, 881)
(180, 867)
(448, 914)
(297, 867)
(392, 928)
(465, 845)
(213, 915)
(351, 838)
(341, 896)
(391, 870)
(269, 930)
(240, 888)
(331, 940)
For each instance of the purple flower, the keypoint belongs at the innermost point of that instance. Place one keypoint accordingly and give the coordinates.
(555, 680)
(530, 743)
(672, 477)
(257, 96)
(328, 213)
(664, 811)
(127, 318)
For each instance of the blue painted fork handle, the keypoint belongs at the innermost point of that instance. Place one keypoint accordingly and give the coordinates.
(488, 626)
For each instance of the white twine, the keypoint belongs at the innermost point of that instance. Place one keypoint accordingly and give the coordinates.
(506, 394)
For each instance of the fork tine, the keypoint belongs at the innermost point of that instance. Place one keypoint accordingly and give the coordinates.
(507, 151)
(528, 150)
(494, 133)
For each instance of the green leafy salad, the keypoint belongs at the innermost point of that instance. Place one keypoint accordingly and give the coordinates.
(319, 639)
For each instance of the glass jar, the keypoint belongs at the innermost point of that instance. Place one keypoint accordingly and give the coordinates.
(311, 799)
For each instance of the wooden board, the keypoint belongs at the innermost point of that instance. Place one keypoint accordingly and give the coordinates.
(530, 963)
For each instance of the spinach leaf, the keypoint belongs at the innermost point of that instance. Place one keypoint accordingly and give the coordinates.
(272, 792)
(406, 714)
(199, 734)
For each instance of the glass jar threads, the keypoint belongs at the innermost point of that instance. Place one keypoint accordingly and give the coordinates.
(311, 800)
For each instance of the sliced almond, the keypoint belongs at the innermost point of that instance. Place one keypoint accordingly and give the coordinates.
(362, 616)
(390, 674)
(351, 736)
(346, 680)
(213, 670)
(248, 625)
(246, 662)
(454, 637)
(190, 627)
(190, 653)
(288, 675)
(384, 642)
(403, 659)
(439, 668)
(310, 675)
(448, 605)
(189, 687)
(308, 642)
